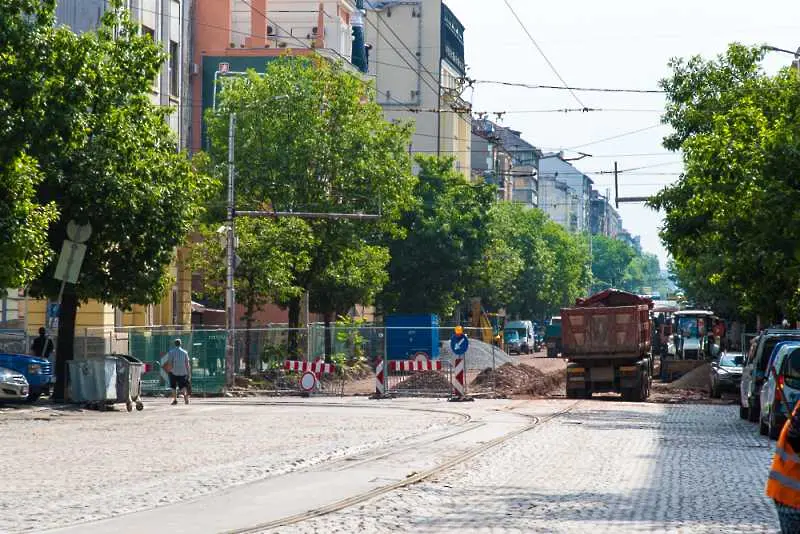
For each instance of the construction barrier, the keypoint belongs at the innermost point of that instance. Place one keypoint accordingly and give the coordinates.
(413, 378)
(459, 378)
(380, 379)
(318, 367)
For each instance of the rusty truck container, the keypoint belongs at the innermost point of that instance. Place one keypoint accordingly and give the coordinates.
(602, 332)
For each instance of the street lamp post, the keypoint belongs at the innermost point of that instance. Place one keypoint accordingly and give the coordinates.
(796, 54)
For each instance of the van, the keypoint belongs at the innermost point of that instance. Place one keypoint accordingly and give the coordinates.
(527, 336)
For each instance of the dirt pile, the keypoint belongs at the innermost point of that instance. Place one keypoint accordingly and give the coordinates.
(696, 379)
(515, 379)
(425, 381)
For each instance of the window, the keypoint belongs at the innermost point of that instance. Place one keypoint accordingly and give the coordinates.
(149, 31)
(174, 68)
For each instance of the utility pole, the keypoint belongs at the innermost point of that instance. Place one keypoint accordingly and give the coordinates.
(616, 185)
(230, 292)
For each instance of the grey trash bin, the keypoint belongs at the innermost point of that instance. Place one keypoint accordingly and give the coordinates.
(129, 381)
(93, 381)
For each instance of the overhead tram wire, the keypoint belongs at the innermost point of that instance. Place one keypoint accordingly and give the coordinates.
(570, 88)
(552, 67)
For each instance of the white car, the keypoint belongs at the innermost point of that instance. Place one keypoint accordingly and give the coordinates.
(13, 385)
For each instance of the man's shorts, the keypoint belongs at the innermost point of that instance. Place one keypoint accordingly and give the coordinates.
(178, 381)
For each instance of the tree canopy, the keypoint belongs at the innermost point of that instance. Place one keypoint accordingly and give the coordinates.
(311, 138)
(433, 261)
(101, 153)
(731, 222)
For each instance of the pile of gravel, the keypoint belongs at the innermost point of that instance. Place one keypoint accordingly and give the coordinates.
(479, 355)
(426, 381)
(697, 378)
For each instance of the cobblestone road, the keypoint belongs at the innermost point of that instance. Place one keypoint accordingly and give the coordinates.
(66, 466)
(607, 467)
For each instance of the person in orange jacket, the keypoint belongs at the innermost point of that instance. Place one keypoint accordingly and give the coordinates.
(783, 484)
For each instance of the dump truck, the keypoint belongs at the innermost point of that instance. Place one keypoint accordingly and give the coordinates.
(606, 340)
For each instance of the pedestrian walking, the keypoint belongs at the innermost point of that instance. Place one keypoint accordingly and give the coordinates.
(42, 346)
(783, 484)
(180, 372)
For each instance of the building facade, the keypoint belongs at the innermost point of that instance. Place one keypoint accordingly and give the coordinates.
(416, 55)
(490, 162)
(555, 170)
(254, 32)
(604, 219)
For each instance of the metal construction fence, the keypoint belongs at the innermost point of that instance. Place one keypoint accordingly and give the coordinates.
(260, 354)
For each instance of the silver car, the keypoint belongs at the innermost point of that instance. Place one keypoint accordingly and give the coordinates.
(13, 385)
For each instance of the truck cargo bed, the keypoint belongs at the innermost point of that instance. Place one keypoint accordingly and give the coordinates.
(605, 332)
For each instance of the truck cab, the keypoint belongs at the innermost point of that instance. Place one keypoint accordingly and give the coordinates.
(552, 336)
(691, 330)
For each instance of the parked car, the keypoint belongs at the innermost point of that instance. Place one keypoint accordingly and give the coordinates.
(37, 371)
(726, 374)
(13, 385)
(755, 366)
(781, 387)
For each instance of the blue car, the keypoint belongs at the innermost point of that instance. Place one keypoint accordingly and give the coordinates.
(38, 371)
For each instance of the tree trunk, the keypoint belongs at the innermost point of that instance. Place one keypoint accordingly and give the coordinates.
(65, 350)
(327, 317)
(294, 324)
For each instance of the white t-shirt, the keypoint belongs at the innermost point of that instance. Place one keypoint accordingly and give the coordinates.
(179, 359)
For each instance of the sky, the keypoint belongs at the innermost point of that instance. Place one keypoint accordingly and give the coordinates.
(612, 44)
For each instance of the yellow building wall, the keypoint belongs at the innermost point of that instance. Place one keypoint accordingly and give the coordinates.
(95, 315)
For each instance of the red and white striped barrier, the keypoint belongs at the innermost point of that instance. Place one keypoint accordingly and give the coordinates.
(380, 379)
(459, 378)
(317, 367)
(415, 365)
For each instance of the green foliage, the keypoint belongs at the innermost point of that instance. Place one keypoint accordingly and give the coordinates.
(108, 158)
(610, 260)
(315, 140)
(271, 251)
(353, 362)
(24, 224)
(739, 131)
(444, 234)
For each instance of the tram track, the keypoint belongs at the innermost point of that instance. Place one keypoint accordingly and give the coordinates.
(534, 422)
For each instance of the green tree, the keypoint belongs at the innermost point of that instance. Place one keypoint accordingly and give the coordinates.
(315, 140)
(432, 264)
(731, 222)
(572, 274)
(108, 158)
(610, 260)
(27, 39)
(270, 253)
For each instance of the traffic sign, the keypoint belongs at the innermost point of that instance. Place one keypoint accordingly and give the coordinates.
(308, 381)
(52, 310)
(80, 233)
(459, 344)
(70, 261)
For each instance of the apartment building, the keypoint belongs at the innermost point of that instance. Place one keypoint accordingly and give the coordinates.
(416, 55)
